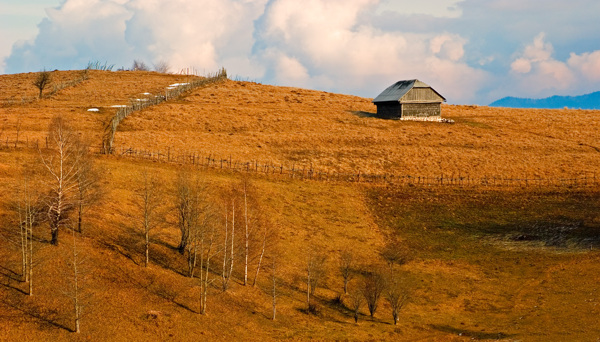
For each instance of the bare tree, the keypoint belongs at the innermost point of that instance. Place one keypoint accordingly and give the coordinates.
(183, 208)
(228, 246)
(62, 162)
(274, 286)
(346, 267)
(207, 252)
(195, 217)
(89, 190)
(269, 241)
(356, 300)
(76, 288)
(28, 210)
(148, 202)
(396, 296)
(245, 187)
(161, 67)
(262, 251)
(315, 272)
(42, 80)
(372, 288)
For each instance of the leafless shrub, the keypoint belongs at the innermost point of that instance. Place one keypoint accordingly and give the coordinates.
(346, 267)
(396, 295)
(356, 300)
(139, 66)
(395, 253)
(162, 67)
(149, 201)
(315, 274)
(89, 190)
(372, 289)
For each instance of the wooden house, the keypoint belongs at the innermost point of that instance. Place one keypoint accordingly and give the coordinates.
(410, 98)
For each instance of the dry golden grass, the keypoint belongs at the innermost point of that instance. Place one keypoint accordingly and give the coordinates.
(101, 90)
(249, 121)
(469, 278)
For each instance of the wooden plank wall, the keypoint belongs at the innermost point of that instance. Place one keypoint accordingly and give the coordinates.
(421, 95)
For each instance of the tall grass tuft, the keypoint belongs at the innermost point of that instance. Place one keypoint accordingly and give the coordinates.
(97, 65)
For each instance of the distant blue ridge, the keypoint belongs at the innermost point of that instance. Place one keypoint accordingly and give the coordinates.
(588, 101)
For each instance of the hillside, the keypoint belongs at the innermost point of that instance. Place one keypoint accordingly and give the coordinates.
(483, 263)
(246, 121)
(587, 101)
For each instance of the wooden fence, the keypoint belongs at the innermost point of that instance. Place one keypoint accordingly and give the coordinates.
(589, 180)
(139, 104)
(303, 172)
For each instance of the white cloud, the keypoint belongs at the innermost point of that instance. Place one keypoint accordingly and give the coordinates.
(463, 48)
(437, 8)
(536, 70)
(334, 50)
(192, 33)
(588, 64)
(536, 73)
(521, 65)
(448, 46)
(538, 51)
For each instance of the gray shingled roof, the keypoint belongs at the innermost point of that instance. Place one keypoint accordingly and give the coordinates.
(399, 89)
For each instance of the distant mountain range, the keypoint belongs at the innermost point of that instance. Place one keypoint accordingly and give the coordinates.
(588, 101)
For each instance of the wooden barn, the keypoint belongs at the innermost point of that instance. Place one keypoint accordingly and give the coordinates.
(410, 98)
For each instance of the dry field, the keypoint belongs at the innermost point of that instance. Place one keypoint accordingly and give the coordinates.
(246, 121)
(485, 264)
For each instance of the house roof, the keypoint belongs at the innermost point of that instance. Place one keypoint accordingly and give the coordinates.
(396, 91)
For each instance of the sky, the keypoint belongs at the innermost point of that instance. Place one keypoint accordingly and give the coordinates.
(471, 51)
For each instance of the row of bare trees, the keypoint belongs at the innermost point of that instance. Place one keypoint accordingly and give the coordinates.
(223, 233)
(229, 227)
(372, 282)
(55, 190)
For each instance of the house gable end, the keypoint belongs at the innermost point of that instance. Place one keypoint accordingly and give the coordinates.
(422, 95)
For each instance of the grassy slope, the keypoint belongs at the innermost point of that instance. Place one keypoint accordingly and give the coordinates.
(470, 274)
(338, 133)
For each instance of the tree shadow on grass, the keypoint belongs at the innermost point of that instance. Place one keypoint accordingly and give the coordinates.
(11, 276)
(477, 335)
(319, 305)
(46, 317)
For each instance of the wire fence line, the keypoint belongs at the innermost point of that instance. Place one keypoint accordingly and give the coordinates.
(303, 172)
(587, 180)
(171, 92)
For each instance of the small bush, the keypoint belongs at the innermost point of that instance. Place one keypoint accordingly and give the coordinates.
(161, 67)
(139, 66)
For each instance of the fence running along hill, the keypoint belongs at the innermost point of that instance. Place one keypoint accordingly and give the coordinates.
(588, 180)
(139, 104)
(210, 161)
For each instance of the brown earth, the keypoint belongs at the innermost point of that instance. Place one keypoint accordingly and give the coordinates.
(470, 277)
